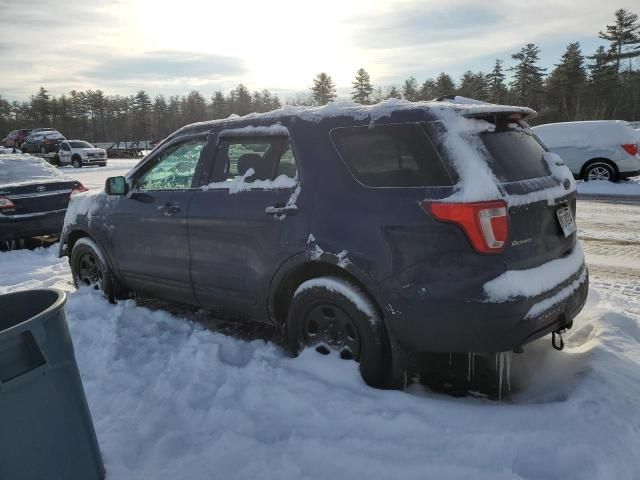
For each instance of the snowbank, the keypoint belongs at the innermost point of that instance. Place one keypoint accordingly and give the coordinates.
(171, 400)
(630, 187)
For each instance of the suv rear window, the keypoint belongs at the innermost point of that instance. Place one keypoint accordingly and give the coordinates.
(514, 154)
(398, 155)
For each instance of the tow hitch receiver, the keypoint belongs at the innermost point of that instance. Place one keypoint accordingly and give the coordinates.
(558, 345)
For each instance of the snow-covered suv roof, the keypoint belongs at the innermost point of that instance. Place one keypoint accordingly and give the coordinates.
(375, 112)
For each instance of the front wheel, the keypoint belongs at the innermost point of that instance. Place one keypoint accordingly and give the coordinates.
(89, 269)
(600, 171)
(329, 314)
(76, 163)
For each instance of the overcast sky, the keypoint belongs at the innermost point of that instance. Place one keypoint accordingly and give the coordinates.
(122, 46)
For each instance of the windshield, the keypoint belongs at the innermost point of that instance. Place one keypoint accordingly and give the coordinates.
(81, 145)
(19, 170)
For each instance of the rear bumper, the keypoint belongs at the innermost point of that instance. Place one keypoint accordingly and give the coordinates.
(49, 223)
(423, 324)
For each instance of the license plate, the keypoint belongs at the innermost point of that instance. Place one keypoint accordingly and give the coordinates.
(565, 218)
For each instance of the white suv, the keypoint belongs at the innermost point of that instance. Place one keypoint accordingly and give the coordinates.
(595, 150)
(80, 153)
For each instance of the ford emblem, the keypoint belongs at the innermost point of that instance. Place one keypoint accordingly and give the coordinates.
(41, 188)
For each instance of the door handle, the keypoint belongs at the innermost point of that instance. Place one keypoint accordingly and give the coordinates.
(169, 209)
(281, 210)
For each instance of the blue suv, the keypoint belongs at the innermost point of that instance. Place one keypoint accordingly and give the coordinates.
(371, 232)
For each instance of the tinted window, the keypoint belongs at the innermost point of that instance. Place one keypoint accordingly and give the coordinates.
(268, 157)
(175, 167)
(514, 155)
(26, 169)
(399, 155)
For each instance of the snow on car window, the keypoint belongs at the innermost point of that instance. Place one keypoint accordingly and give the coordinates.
(24, 168)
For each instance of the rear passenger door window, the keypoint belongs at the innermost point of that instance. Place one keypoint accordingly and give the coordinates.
(262, 162)
(396, 155)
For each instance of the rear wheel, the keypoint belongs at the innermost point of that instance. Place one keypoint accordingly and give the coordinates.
(329, 314)
(600, 171)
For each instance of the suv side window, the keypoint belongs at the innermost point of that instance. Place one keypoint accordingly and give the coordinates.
(175, 167)
(256, 158)
(395, 155)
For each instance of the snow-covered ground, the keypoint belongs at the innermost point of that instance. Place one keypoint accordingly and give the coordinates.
(94, 177)
(630, 187)
(172, 399)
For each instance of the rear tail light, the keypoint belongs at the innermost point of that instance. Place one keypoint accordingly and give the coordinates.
(486, 224)
(77, 189)
(6, 204)
(631, 148)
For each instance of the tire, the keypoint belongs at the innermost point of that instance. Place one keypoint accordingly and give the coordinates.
(76, 163)
(331, 314)
(24, 150)
(89, 269)
(600, 171)
(43, 150)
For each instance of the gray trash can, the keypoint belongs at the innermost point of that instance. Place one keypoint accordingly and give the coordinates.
(46, 432)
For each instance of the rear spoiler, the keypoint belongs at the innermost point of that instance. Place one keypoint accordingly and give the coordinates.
(471, 108)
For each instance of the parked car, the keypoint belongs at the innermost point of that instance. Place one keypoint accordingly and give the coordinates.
(45, 141)
(594, 150)
(80, 153)
(33, 197)
(15, 138)
(375, 232)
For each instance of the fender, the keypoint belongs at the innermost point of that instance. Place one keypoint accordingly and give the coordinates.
(312, 258)
(64, 251)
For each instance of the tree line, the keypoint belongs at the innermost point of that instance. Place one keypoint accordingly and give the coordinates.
(602, 85)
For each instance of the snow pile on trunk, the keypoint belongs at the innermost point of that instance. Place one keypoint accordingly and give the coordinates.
(171, 400)
(535, 281)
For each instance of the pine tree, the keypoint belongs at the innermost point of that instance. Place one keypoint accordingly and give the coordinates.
(362, 88)
(473, 85)
(427, 89)
(240, 100)
(219, 107)
(323, 89)
(142, 112)
(566, 83)
(393, 92)
(410, 90)
(602, 84)
(496, 89)
(624, 36)
(527, 84)
(444, 85)
(40, 106)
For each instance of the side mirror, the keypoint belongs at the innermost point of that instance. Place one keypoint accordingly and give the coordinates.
(116, 186)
